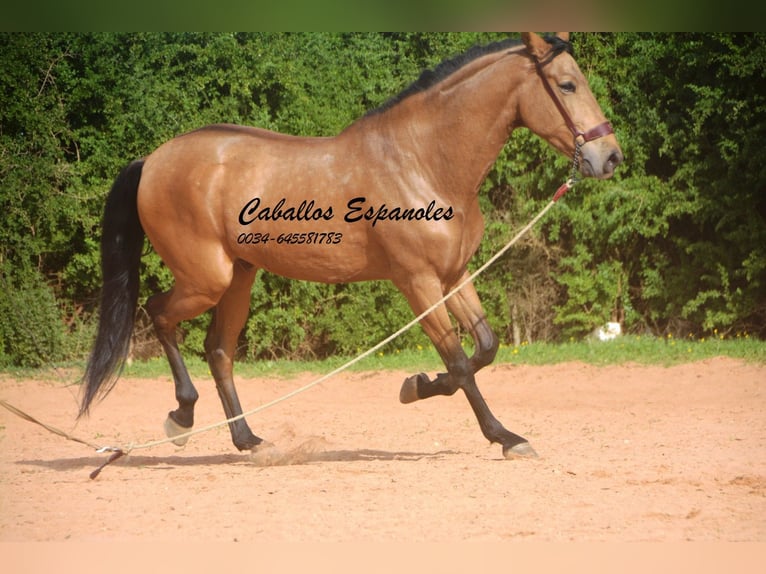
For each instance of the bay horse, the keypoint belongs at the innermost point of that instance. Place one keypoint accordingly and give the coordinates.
(394, 196)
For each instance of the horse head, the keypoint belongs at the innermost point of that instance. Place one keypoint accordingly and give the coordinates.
(556, 88)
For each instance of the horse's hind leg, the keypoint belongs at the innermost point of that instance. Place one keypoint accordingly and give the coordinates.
(460, 369)
(167, 310)
(229, 317)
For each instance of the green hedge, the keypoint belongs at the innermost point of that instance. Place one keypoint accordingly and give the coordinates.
(675, 243)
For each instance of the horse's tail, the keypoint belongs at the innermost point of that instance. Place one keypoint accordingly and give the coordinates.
(122, 243)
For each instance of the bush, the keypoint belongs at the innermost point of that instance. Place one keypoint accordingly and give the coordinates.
(675, 243)
(32, 330)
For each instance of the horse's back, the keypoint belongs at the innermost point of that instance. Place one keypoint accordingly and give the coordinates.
(198, 186)
(224, 160)
(251, 132)
(301, 206)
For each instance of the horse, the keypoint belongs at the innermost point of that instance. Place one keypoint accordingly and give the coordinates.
(393, 196)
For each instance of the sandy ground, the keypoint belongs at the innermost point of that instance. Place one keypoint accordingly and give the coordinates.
(627, 453)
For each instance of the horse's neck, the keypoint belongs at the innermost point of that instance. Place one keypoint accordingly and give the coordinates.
(458, 127)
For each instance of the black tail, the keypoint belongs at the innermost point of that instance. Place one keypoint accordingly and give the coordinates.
(122, 242)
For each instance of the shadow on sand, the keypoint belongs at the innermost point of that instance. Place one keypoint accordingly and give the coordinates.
(264, 456)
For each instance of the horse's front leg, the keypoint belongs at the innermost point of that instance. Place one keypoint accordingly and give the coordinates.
(466, 307)
(421, 294)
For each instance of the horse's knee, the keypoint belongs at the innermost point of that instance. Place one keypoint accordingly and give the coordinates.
(221, 365)
(486, 349)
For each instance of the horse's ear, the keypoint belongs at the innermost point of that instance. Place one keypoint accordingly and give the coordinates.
(535, 45)
(563, 36)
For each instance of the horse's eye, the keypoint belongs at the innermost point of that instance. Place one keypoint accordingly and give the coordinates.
(568, 87)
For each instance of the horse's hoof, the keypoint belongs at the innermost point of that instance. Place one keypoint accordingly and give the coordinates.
(409, 391)
(173, 429)
(249, 443)
(521, 450)
(266, 454)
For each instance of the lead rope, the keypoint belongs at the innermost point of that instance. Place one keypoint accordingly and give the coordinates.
(118, 452)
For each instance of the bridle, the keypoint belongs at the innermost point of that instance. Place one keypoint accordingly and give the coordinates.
(580, 137)
(602, 129)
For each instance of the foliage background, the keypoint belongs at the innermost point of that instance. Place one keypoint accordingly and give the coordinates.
(674, 244)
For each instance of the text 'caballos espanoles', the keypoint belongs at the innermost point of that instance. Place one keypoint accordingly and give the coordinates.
(357, 210)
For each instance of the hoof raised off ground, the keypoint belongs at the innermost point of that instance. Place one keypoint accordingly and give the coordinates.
(409, 391)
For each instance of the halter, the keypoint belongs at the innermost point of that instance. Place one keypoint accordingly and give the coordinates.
(602, 129)
(580, 137)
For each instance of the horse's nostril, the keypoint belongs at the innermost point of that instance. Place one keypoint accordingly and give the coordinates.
(614, 159)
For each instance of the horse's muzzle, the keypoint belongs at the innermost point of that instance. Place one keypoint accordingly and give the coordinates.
(600, 161)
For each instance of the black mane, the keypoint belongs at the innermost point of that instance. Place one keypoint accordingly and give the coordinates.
(429, 78)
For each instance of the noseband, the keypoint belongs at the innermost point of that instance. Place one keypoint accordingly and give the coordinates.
(580, 136)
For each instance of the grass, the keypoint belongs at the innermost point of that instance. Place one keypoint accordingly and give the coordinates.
(644, 350)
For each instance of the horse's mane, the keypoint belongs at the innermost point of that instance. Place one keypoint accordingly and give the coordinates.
(429, 78)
